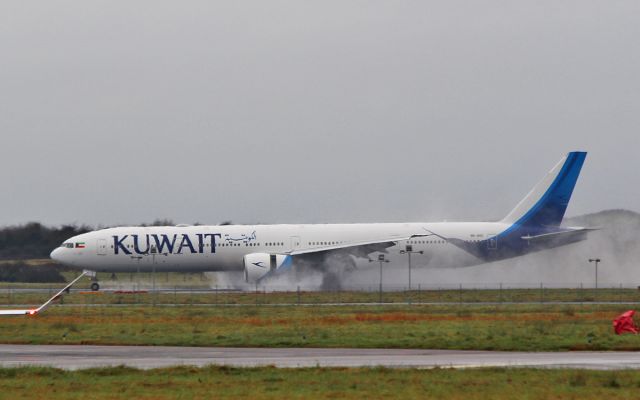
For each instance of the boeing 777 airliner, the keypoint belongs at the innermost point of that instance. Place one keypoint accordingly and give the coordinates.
(266, 250)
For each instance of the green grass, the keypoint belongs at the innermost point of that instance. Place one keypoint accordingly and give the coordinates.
(503, 327)
(180, 294)
(124, 279)
(308, 383)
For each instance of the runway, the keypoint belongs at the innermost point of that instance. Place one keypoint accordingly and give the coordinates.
(78, 357)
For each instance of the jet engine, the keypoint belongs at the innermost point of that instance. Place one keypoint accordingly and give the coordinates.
(259, 265)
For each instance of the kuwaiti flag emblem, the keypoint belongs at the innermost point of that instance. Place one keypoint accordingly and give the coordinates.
(80, 245)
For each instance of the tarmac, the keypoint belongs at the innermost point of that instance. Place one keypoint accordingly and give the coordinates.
(72, 357)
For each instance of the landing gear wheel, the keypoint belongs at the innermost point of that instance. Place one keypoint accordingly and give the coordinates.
(95, 286)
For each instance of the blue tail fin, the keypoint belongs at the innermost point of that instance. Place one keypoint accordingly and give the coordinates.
(544, 207)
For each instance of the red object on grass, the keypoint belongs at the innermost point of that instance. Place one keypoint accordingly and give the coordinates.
(624, 323)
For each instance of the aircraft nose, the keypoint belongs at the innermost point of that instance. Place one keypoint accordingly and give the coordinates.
(56, 255)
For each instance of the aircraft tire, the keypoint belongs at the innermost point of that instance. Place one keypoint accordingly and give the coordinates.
(95, 286)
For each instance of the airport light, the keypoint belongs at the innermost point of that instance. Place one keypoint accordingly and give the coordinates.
(408, 251)
(381, 260)
(596, 261)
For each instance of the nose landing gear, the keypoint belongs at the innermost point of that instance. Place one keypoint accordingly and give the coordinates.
(95, 286)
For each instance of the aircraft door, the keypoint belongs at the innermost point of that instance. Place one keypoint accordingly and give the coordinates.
(492, 241)
(295, 242)
(101, 247)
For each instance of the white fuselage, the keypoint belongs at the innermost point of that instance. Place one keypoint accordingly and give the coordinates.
(222, 247)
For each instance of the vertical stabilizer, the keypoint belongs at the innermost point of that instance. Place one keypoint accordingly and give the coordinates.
(547, 202)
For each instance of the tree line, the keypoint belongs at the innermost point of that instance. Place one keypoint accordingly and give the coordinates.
(34, 240)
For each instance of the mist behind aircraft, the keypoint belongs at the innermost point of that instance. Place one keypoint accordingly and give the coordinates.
(616, 244)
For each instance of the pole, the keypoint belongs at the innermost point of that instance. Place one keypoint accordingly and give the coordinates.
(154, 285)
(409, 254)
(380, 291)
(596, 261)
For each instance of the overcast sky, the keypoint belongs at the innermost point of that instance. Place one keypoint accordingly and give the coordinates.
(120, 112)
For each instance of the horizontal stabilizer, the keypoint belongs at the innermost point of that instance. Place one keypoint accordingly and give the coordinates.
(569, 235)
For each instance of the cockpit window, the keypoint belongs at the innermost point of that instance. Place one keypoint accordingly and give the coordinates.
(67, 245)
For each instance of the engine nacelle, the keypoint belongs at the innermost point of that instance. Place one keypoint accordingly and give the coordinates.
(259, 265)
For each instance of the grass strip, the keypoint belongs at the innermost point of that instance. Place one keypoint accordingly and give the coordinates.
(314, 383)
(500, 327)
(12, 294)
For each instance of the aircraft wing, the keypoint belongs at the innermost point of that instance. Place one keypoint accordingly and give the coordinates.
(358, 249)
(34, 311)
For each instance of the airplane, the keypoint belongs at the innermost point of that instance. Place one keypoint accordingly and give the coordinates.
(264, 251)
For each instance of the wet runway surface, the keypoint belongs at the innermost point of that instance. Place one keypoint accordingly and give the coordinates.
(78, 357)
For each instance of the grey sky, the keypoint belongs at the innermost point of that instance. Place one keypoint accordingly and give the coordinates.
(117, 112)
